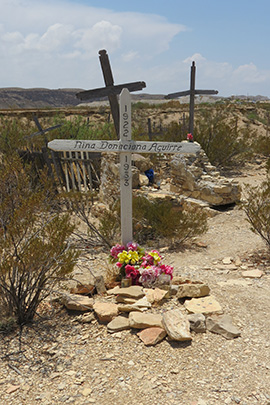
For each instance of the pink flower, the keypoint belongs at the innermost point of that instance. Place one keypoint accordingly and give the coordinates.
(132, 272)
(167, 270)
(132, 246)
(148, 276)
(115, 250)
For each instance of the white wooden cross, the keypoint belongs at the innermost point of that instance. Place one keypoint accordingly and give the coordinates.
(125, 146)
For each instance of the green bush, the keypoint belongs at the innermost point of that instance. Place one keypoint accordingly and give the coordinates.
(161, 219)
(154, 220)
(223, 142)
(257, 209)
(34, 249)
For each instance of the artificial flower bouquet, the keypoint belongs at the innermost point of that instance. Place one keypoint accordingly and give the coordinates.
(143, 268)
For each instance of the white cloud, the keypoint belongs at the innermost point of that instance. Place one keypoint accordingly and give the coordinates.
(197, 57)
(55, 43)
(250, 74)
(103, 34)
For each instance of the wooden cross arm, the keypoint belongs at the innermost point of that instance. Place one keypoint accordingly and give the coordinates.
(188, 92)
(109, 90)
(43, 131)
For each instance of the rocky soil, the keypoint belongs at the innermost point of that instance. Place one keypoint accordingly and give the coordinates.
(59, 360)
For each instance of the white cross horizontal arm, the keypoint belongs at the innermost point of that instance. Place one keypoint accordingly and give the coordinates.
(123, 146)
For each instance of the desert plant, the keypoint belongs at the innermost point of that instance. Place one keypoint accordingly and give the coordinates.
(153, 220)
(161, 219)
(34, 249)
(224, 143)
(257, 208)
(81, 205)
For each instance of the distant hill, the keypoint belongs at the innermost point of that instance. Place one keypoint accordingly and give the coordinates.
(16, 97)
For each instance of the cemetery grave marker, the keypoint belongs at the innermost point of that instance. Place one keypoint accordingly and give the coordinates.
(125, 146)
(111, 91)
(191, 93)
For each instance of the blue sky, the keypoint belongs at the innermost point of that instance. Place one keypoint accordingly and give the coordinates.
(55, 44)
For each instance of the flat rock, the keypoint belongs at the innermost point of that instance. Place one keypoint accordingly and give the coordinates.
(222, 325)
(156, 295)
(205, 305)
(77, 302)
(227, 260)
(231, 266)
(125, 300)
(83, 289)
(138, 320)
(252, 273)
(237, 282)
(105, 311)
(197, 323)
(193, 290)
(176, 325)
(130, 308)
(152, 336)
(118, 324)
(134, 291)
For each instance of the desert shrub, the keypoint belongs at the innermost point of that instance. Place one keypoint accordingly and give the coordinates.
(224, 143)
(257, 208)
(34, 249)
(153, 220)
(81, 205)
(110, 224)
(161, 219)
(80, 128)
(12, 134)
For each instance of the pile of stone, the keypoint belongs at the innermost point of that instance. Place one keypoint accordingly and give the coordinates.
(189, 175)
(194, 176)
(156, 313)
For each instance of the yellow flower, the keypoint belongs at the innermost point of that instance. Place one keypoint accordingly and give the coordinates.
(128, 257)
(155, 256)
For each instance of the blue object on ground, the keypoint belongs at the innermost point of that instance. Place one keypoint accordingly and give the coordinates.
(150, 175)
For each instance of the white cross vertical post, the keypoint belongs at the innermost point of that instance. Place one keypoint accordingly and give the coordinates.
(125, 169)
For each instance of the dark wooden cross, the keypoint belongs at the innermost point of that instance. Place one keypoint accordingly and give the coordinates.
(191, 93)
(42, 131)
(111, 91)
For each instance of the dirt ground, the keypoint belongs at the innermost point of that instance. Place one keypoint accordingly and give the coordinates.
(62, 361)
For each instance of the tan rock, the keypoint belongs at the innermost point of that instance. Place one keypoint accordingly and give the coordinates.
(227, 260)
(197, 322)
(134, 291)
(76, 302)
(118, 324)
(155, 296)
(83, 289)
(138, 320)
(152, 336)
(125, 300)
(176, 325)
(223, 326)
(193, 290)
(252, 273)
(241, 283)
(105, 311)
(130, 308)
(205, 305)
(237, 261)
